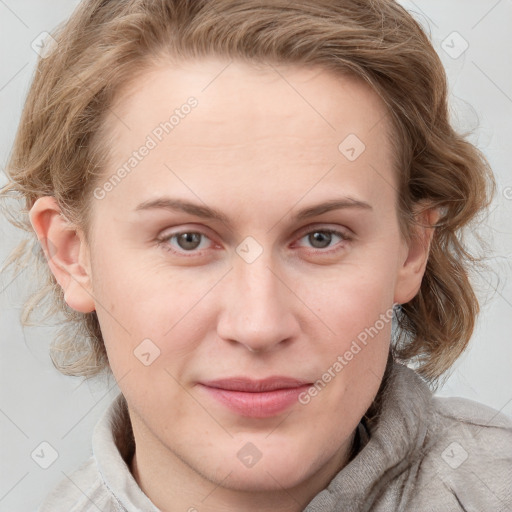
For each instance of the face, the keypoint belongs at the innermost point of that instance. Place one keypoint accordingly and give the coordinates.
(256, 237)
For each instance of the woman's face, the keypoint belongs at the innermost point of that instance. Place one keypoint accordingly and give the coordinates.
(256, 236)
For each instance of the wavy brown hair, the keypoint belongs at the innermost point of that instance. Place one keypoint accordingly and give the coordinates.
(60, 144)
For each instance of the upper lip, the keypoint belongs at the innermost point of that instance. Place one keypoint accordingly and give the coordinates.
(255, 385)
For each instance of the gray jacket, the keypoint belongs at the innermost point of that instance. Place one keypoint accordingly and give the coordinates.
(420, 453)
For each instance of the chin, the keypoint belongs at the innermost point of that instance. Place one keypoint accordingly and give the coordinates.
(266, 478)
(271, 468)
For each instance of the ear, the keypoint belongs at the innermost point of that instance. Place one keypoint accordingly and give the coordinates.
(66, 251)
(415, 256)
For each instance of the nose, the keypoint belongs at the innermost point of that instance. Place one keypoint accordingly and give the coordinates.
(258, 308)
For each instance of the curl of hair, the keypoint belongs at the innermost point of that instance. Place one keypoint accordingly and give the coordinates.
(62, 141)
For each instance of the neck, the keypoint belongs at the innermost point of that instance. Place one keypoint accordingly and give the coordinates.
(173, 485)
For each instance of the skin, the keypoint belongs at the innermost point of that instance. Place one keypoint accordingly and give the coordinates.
(259, 151)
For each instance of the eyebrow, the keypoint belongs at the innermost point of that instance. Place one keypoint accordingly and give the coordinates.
(206, 212)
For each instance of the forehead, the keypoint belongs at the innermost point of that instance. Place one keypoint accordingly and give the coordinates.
(235, 91)
(253, 123)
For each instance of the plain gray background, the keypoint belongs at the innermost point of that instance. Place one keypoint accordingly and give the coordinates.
(37, 404)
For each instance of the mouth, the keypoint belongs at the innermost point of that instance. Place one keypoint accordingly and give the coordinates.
(256, 398)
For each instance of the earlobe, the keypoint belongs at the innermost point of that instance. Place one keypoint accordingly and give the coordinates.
(66, 252)
(416, 253)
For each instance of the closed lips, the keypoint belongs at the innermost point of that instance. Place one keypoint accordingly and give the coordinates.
(253, 398)
(256, 386)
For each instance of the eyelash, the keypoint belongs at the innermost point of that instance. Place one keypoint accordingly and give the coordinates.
(164, 241)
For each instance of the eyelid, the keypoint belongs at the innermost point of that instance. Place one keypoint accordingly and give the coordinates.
(185, 228)
(311, 228)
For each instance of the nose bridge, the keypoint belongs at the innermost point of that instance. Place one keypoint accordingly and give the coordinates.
(258, 284)
(258, 308)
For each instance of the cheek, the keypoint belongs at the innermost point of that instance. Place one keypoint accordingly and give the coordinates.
(351, 328)
(352, 357)
(134, 289)
(349, 298)
(158, 311)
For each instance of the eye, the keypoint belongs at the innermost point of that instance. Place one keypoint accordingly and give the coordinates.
(193, 242)
(324, 238)
(184, 241)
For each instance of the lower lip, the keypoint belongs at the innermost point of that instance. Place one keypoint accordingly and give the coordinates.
(257, 405)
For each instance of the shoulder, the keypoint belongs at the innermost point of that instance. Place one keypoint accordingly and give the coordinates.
(81, 491)
(470, 412)
(484, 433)
(468, 455)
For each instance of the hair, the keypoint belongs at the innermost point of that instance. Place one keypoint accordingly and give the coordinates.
(60, 147)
